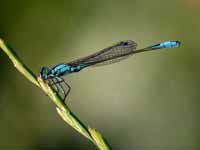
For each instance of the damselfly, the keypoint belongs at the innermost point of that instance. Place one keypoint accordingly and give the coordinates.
(109, 55)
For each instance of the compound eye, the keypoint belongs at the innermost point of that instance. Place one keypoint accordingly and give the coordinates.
(44, 72)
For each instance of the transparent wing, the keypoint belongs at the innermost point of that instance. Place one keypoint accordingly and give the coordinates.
(111, 61)
(112, 54)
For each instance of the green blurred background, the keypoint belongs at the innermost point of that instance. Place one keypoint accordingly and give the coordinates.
(148, 102)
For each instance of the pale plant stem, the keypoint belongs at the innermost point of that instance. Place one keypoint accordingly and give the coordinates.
(63, 110)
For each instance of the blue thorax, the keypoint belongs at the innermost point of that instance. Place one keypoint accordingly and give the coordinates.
(63, 69)
(59, 70)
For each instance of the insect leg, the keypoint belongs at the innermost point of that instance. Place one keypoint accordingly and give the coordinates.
(59, 83)
(69, 88)
(54, 85)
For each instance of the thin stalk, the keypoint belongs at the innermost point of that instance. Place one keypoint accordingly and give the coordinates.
(63, 110)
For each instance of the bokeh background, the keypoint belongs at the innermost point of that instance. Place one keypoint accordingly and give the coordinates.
(148, 102)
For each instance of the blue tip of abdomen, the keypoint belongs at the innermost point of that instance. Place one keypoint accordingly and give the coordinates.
(167, 44)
